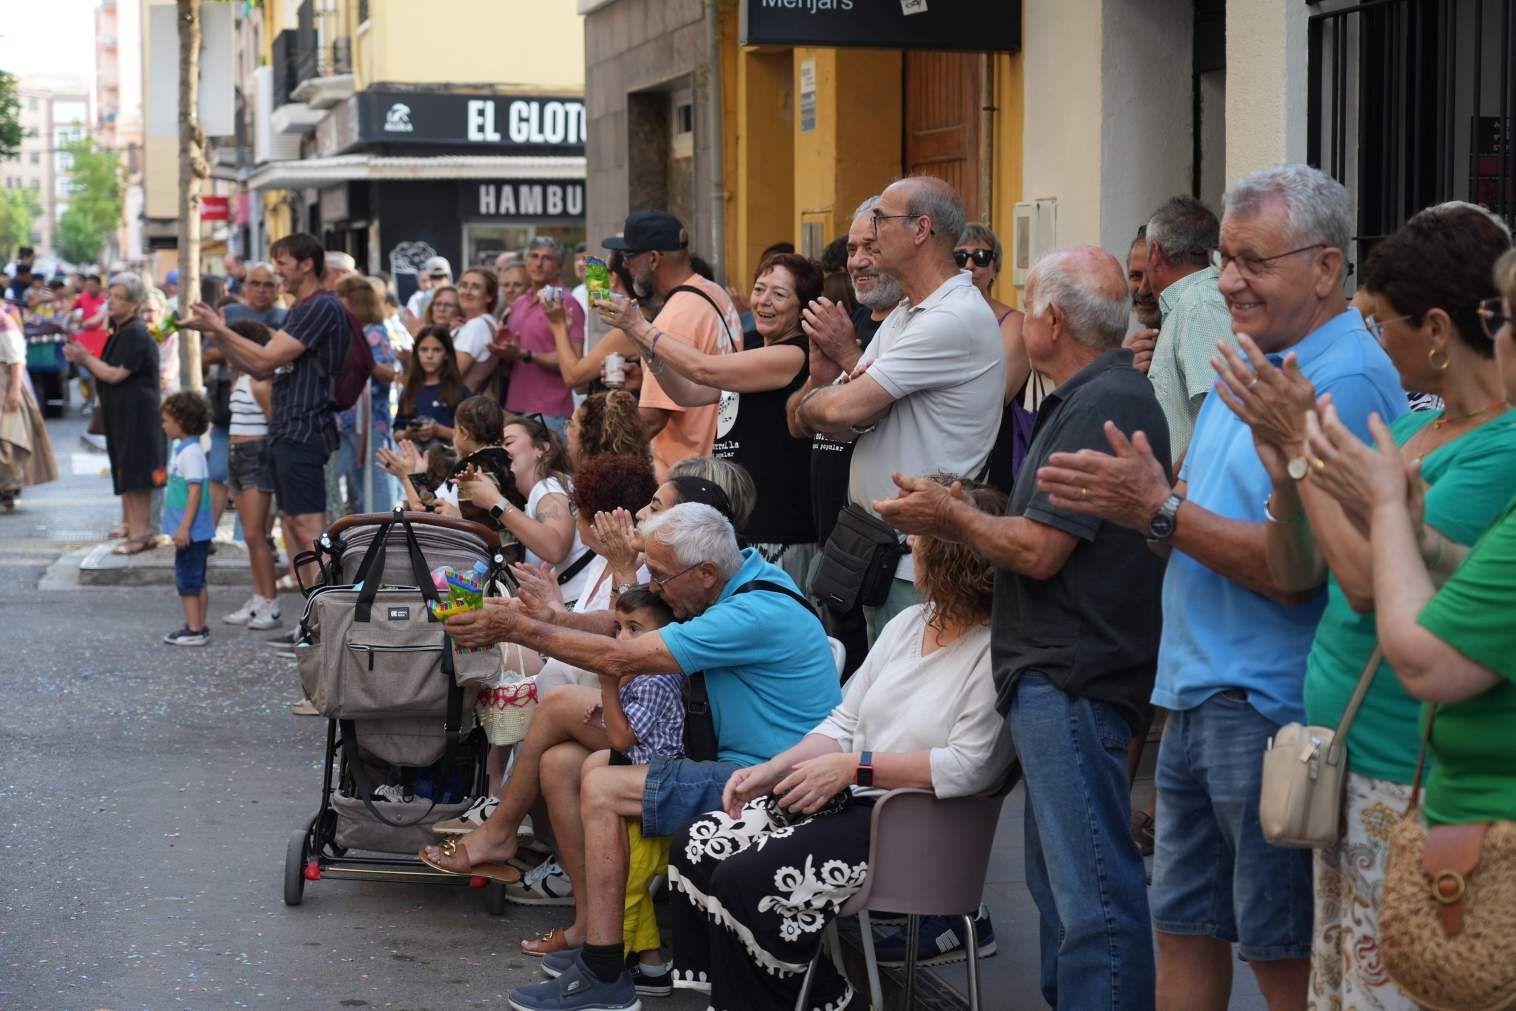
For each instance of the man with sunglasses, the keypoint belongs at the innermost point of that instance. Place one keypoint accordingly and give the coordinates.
(765, 691)
(926, 394)
(1235, 637)
(1180, 237)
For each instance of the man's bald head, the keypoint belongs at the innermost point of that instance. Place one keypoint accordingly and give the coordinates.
(928, 196)
(1088, 286)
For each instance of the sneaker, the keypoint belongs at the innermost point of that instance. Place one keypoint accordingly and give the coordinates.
(661, 985)
(394, 793)
(469, 820)
(577, 989)
(265, 615)
(241, 615)
(939, 941)
(188, 637)
(287, 640)
(543, 885)
(556, 963)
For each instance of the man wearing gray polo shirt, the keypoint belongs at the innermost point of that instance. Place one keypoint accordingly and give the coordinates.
(927, 393)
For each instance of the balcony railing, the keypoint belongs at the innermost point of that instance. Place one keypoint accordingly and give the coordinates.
(323, 46)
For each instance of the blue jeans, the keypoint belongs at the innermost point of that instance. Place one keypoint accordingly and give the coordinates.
(1097, 944)
(1213, 873)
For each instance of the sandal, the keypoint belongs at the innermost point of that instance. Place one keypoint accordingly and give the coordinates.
(451, 847)
(554, 940)
(117, 532)
(135, 545)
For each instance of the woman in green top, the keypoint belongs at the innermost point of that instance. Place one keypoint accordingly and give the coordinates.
(1454, 646)
(1423, 285)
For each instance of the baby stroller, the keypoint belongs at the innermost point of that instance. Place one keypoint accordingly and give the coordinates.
(402, 750)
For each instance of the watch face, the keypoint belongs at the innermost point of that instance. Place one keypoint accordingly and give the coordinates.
(1298, 468)
(1161, 526)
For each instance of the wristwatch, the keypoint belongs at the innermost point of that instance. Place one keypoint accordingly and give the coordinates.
(865, 774)
(621, 588)
(526, 356)
(1298, 467)
(499, 509)
(1161, 525)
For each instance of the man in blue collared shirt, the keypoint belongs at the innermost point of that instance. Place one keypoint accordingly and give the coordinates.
(1232, 658)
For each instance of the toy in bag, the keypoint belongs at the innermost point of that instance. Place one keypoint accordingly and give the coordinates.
(458, 594)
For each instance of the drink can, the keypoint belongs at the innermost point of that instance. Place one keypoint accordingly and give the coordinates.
(615, 369)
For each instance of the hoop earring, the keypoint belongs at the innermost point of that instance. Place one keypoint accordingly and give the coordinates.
(1432, 359)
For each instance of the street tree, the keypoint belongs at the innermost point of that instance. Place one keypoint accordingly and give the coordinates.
(19, 211)
(95, 187)
(193, 171)
(10, 117)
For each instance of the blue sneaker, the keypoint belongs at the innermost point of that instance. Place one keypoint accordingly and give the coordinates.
(577, 989)
(939, 941)
(556, 963)
(188, 637)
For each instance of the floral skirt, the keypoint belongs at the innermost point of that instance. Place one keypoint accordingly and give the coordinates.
(758, 896)
(1346, 971)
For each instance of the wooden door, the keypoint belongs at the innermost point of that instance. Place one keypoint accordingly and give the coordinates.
(942, 121)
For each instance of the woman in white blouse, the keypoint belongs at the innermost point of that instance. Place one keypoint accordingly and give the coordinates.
(791, 846)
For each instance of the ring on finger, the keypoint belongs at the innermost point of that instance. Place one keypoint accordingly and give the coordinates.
(1253, 383)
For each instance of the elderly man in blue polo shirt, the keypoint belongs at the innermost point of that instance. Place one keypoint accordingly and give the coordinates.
(1232, 658)
(770, 677)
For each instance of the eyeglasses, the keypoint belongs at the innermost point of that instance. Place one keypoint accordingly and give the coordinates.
(1252, 266)
(1492, 317)
(660, 583)
(981, 257)
(1375, 327)
(261, 284)
(877, 217)
(445, 305)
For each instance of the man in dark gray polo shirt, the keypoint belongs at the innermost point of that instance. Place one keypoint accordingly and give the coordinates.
(304, 357)
(1075, 642)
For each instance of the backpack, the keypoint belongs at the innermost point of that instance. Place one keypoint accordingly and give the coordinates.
(357, 367)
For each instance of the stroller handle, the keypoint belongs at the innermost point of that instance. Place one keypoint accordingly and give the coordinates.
(484, 533)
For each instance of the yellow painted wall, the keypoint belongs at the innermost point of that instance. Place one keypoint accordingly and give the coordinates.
(533, 44)
(1005, 180)
(854, 150)
(762, 177)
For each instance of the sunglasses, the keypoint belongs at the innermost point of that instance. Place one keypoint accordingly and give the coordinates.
(981, 257)
(1492, 317)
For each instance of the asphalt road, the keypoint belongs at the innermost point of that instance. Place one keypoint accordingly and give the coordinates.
(147, 797)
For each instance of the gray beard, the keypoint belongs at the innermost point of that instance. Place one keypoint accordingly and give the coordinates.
(887, 294)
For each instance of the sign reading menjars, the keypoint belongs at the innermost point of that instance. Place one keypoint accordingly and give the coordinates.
(521, 199)
(970, 25)
(498, 122)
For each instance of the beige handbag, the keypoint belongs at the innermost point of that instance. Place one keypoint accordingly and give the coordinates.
(1304, 774)
(1448, 915)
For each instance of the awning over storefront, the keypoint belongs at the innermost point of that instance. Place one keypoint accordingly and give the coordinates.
(320, 172)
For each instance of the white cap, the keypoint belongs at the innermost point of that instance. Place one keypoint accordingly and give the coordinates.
(437, 264)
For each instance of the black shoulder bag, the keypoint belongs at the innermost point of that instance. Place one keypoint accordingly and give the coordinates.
(858, 561)
(700, 744)
(712, 302)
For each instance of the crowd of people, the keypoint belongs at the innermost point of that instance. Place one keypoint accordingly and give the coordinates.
(902, 534)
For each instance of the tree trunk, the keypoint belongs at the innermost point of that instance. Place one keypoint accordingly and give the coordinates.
(193, 170)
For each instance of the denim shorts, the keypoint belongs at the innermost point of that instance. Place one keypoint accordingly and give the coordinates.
(249, 467)
(680, 790)
(299, 471)
(189, 568)
(216, 462)
(1213, 873)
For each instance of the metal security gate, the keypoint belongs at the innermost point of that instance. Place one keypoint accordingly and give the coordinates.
(1411, 104)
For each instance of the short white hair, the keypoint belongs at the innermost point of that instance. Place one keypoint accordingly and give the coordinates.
(136, 290)
(262, 265)
(336, 258)
(697, 533)
(1318, 208)
(1450, 207)
(1096, 319)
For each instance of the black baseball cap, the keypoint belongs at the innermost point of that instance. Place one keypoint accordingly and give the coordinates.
(649, 230)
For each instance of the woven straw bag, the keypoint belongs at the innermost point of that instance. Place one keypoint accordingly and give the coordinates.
(1447, 920)
(506, 710)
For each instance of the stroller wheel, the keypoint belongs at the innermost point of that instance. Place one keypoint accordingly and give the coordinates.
(494, 898)
(294, 866)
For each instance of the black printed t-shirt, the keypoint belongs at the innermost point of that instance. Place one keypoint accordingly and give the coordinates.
(830, 459)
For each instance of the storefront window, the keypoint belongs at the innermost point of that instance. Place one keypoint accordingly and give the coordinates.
(483, 242)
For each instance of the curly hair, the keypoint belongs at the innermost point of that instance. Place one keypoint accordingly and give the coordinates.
(613, 481)
(956, 582)
(609, 423)
(192, 413)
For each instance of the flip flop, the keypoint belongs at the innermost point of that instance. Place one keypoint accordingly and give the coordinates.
(553, 941)
(134, 545)
(504, 873)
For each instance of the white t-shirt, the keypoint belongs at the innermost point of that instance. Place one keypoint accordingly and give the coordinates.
(417, 302)
(572, 588)
(596, 597)
(944, 363)
(900, 701)
(473, 337)
(247, 413)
